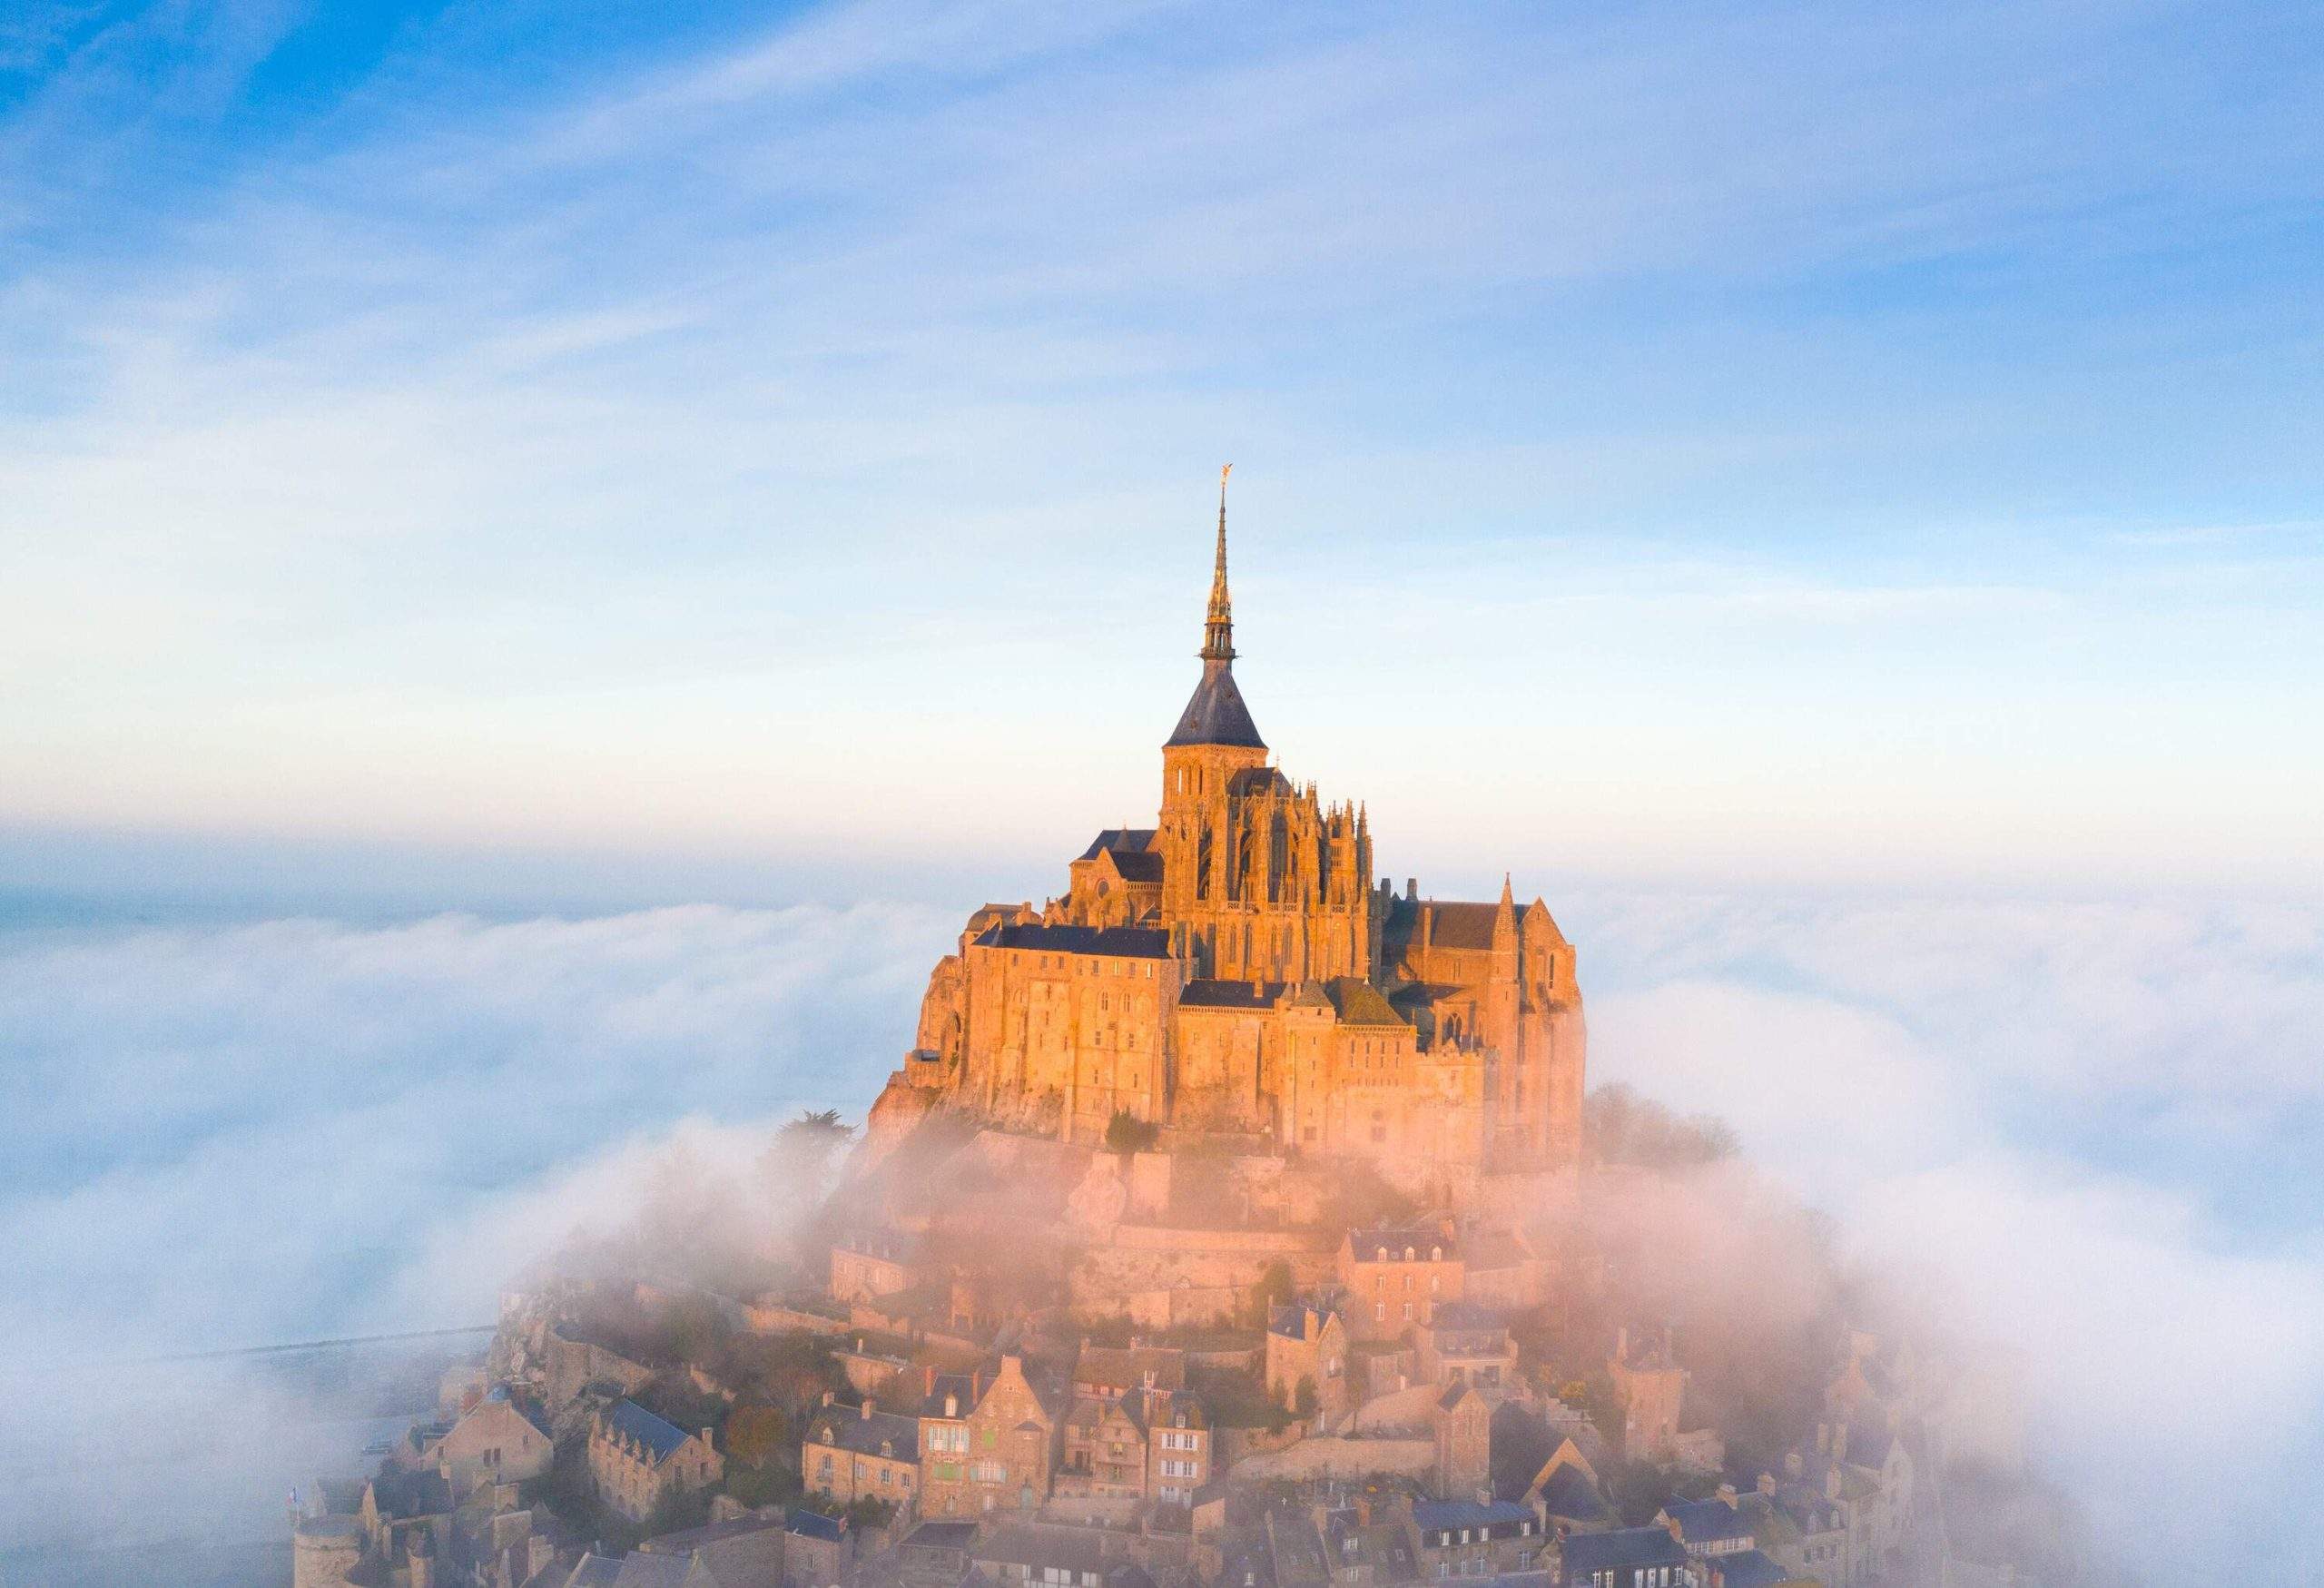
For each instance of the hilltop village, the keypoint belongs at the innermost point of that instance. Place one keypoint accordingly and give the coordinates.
(1235, 1221)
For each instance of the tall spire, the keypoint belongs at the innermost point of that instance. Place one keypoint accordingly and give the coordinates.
(1218, 627)
(1217, 715)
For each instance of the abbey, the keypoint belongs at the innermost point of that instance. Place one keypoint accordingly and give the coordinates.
(1234, 971)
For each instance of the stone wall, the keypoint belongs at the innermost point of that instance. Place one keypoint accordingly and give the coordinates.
(1331, 1456)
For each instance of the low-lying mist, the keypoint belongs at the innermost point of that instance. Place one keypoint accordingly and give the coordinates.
(2078, 1133)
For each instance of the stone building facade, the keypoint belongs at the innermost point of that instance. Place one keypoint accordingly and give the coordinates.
(636, 1460)
(1236, 970)
(989, 1442)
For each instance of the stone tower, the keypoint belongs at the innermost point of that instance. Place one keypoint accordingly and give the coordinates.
(1260, 881)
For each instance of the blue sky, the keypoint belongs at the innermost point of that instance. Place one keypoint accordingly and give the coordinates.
(1750, 471)
(1842, 443)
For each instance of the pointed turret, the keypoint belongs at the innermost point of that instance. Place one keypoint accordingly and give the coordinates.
(1219, 625)
(1217, 715)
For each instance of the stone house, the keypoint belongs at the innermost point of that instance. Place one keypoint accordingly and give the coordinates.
(989, 1442)
(1462, 1343)
(1109, 1373)
(636, 1460)
(866, 1265)
(1472, 1538)
(727, 1555)
(817, 1550)
(1179, 1447)
(1566, 1492)
(1627, 1557)
(1651, 1387)
(1501, 1271)
(1463, 1423)
(495, 1442)
(1397, 1276)
(1104, 1449)
(856, 1453)
(1308, 1345)
(1361, 1550)
(1710, 1528)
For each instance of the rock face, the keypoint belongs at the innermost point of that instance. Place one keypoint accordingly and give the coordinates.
(1233, 976)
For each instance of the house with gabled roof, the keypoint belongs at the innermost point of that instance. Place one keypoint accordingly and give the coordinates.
(859, 1451)
(636, 1459)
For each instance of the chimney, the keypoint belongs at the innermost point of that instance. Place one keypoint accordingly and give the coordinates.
(708, 1441)
(1622, 1344)
(929, 1387)
(867, 1408)
(827, 1397)
(951, 1406)
(1412, 887)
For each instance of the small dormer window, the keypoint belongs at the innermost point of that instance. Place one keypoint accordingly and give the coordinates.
(1436, 1254)
(1408, 1254)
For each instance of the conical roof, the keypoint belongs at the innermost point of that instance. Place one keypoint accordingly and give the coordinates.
(1217, 715)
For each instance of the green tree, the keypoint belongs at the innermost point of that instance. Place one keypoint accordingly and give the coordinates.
(1127, 1133)
(805, 1150)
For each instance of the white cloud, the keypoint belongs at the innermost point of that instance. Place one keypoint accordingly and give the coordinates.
(2087, 1132)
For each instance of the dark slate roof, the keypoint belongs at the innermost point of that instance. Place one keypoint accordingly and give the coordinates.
(1625, 1546)
(1707, 1520)
(657, 1435)
(1014, 1546)
(963, 1388)
(1568, 1493)
(1217, 715)
(1292, 1322)
(1395, 1237)
(687, 1540)
(1434, 1515)
(1206, 993)
(594, 1571)
(645, 1571)
(1128, 942)
(941, 1535)
(414, 1492)
(1360, 1003)
(850, 1429)
(815, 1524)
(1454, 1394)
(1137, 868)
(1752, 1568)
(1120, 840)
(1464, 1315)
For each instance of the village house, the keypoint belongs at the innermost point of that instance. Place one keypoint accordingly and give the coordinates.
(1109, 1373)
(817, 1550)
(1104, 1449)
(1651, 1387)
(636, 1460)
(1803, 1528)
(1472, 1538)
(1463, 1423)
(1308, 1345)
(1709, 1528)
(1627, 1557)
(989, 1442)
(1397, 1276)
(1567, 1490)
(868, 1264)
(495, 1442)
(860, 1453)
(1178, 1446)
(742, 1550)
(1462, 1343)
(1363, 1549)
